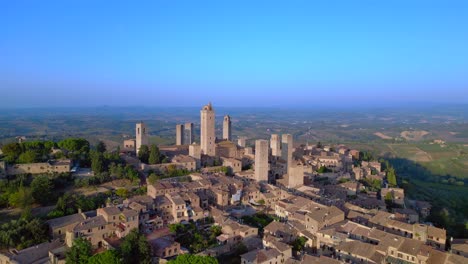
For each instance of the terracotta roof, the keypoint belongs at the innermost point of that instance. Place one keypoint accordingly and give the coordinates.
(90, 223)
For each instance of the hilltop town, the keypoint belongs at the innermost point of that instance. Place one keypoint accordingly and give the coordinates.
(225, 200)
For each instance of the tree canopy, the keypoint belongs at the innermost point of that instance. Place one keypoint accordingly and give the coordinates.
(22, 233)
(80, 252)
(193, 259)
(101, 147)
(41, 188)
(107, 257)
(135, 249)
(143, 153)
(154, 155)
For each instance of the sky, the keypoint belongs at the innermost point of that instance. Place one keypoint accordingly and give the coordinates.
(233, 53)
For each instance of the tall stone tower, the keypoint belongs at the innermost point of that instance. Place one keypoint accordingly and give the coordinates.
(227, 133)
(287, 149)
(241, 142)
(261, 160)
(207, 130)
(275, 145)
(141, 136)
(179, 135)
(188, 133)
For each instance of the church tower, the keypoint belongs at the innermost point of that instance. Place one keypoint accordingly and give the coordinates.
(141, 135)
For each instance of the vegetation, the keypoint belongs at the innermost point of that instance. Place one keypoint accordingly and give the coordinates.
(194, 238)
(155, 156)
(80, 252)
(189, 258)
(143, 153)
(373, 185)
(366, 156)
(41, 189)
(21, 198)
(23, 190)
(70, 203)
(135, 249)
(22, 233)
(299, 243)
(449, 200)
(101, 147)
(259, 220)
(28, 152)
(107, 257)
(324, 169)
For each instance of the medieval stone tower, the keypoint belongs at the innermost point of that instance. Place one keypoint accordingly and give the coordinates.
(287, 149)
(261, 160)
(207, 130)
(275, 145)
(227, 133)
(141, 135)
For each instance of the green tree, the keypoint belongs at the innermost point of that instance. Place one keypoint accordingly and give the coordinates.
(323, 169)
(101, 147)
(391, 177)
(189, 258)
(97, 162)
(30, 156)
(154, 155)
(389, 199)
(143, 153)
(135, 249)
(122, 192)
(12, 152)
(299, 243)
(22, 233)
(41, 189)
(153, 178)
(80, 252)
(107, 257)
(22, 198)
(74, 144)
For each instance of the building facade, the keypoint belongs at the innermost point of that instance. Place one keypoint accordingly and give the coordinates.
(188, 134)
(275, 145)
(261, 160)
(207, 130)
(287, 149)
(179, 135)
(141, 135)
(227, 132)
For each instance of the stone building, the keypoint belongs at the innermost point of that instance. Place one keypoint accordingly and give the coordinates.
(207, 130)
(261, 160)
(52, 166)
(227, 132)
(241, 142)
(141, 135)
(275, 145)
(195, 152)
(188, 134)
(129, 145)
(179, 135)
(287, 149)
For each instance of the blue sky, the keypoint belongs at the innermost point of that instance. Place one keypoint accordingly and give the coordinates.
(246, 53)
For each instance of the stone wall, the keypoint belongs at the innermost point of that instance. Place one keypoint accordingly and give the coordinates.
(62, 166)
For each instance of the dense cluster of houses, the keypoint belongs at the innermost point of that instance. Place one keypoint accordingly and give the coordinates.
(316, 194)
